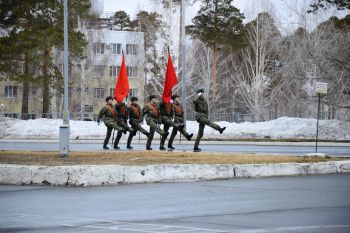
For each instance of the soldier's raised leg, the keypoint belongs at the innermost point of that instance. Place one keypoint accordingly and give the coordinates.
(211, 124)
(137, 127)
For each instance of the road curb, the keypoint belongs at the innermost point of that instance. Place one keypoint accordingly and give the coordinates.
(92, 175)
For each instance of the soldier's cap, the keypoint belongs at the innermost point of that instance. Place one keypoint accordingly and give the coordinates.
(152, 97)
(174, 96)
(109, 98)
(134, 98)
(200, 90)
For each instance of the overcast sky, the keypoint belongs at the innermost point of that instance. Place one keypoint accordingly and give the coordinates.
(287, 13)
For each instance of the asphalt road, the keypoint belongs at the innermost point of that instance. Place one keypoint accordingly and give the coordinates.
(286, 204)
(240, 148)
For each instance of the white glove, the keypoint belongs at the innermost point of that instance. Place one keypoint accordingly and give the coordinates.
(171, 101)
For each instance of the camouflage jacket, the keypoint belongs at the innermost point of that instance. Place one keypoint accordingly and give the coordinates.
(108, 114)
(166, 109)
(151, 111)
(134, 111)
(179, 113)
(201, 105)
(121, 110)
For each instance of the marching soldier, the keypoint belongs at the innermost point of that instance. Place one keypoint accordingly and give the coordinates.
(166, 114)
(153, 120)
(109, 118)
(179, 114)
(201, 108)
(122, 122)
(135, 118)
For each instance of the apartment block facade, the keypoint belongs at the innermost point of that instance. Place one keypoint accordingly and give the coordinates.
(90, 79)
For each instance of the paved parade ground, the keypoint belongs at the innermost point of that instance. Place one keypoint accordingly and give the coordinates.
(285, 204)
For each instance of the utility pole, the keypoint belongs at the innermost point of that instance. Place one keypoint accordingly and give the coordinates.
(183, 81)
(64, 128)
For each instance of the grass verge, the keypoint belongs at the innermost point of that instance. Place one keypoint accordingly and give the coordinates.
(147, 158)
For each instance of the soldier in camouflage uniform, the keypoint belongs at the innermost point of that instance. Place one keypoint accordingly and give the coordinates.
(201, 108)
(179, 114)
(166, 115)
(152, 115)
(122, 122)
(135, 118)
(109, 118)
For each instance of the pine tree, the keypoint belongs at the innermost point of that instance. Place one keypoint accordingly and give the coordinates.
(38, 28)
(324, 4)
(218, 24)
(122, 20)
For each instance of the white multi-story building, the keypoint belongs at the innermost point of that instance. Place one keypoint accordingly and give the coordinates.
(101, 68)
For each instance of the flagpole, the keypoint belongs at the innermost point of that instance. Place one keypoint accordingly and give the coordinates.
(183, 81)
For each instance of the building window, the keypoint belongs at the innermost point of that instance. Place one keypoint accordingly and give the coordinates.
(132, 71)
(113, 71)
(99, 71)
(116, 48)
(11, 91)
(99, 48)
(111, 91)
(99, 93)
(133, 92)
(131, 49)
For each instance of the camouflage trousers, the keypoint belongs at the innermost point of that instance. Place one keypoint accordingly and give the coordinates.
(135, 124)
(124, 127)
(154, 127)
(203, 121)
(167, 122)
(178, 120)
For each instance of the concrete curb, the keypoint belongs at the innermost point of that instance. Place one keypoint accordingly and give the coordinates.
(91, 175)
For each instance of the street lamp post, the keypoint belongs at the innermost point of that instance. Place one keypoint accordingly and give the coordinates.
(183, 60)
(64, 128)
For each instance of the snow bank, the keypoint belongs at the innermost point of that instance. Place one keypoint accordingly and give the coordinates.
(281, 128)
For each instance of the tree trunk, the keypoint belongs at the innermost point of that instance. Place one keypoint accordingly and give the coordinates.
(214, 62)
(46, 90)
(25, 92)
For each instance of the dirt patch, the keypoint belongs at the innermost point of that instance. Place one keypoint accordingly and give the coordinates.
(146, 158)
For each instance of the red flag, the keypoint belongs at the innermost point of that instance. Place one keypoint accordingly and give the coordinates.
(122, 85)
(170, 80)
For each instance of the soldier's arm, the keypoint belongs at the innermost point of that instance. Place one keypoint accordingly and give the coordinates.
(101, 113)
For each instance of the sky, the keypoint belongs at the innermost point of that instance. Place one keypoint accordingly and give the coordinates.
(288, 14)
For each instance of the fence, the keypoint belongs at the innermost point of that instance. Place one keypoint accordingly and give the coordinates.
(230, 117)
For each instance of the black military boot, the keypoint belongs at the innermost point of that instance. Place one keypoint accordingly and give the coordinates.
(189, 137)
(116, 147)
(129, 147)
(161, 147)
(197, 149)
(221, 130)
(105, 147)
(171, 147)
(148, 148)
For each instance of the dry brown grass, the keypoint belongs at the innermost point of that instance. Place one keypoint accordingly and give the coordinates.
(146, 158)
